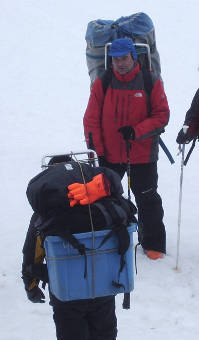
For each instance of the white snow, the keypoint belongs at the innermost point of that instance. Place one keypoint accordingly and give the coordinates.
(44, 89)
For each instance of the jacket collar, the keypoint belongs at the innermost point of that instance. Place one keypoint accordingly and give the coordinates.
(127, 76)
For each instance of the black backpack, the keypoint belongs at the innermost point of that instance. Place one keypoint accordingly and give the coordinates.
(47, 192)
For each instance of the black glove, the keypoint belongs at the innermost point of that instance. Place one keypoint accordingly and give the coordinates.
(127, 132)
(36, 295)
(102, 161)
(39, 271)
(184, 138)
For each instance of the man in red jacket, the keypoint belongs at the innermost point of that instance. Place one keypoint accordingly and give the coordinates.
(121, 115)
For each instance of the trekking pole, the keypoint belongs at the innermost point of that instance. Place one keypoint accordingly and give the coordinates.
(180, 200)
(126, 301)
(128, 146)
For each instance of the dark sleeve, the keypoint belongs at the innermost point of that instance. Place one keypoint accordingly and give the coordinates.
(192, 115)
(33, 255)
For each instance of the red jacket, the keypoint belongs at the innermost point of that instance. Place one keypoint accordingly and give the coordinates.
(125, 103)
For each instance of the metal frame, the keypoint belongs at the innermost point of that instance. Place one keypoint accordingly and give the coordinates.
(90, 157)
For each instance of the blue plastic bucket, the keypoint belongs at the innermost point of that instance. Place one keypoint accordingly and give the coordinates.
(66, 266)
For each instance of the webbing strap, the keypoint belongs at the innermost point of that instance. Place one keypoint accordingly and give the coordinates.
(77, 245)
(138, 244)
(117, 223)
(190, 151)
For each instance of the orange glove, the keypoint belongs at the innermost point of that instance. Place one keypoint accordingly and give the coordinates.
(73, 202)
(90, 192)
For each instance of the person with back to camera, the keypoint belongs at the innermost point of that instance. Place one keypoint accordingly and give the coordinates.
(120, 115)
(59, 211)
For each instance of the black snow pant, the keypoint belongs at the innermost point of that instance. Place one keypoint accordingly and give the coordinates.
(92, 319)
(144, 182)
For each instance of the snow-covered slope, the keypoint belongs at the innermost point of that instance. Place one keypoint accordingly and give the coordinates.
(44, 88)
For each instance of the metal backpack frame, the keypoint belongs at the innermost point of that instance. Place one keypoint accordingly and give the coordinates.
(90, 157)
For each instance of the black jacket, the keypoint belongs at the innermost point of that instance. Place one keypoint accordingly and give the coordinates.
(192, 115)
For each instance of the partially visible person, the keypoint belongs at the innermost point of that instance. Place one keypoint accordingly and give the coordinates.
(56, 213)
(186, 135)
(124, 114)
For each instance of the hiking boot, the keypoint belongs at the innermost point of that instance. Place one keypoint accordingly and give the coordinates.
(153, 254)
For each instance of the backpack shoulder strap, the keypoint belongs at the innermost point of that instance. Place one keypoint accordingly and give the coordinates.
(148, 85)
(147, 76)
(113, 212)
(106, 79)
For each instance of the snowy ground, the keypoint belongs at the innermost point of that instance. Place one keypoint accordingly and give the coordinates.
(44, 89)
